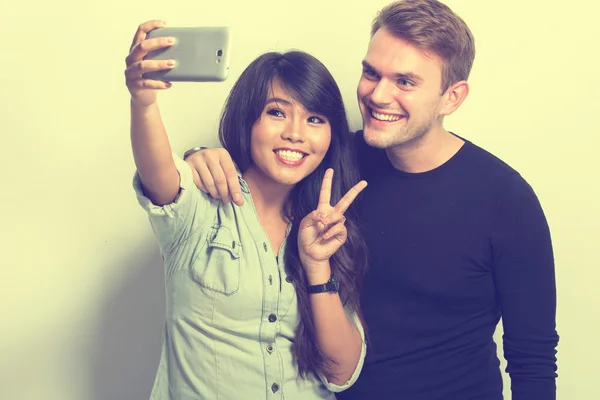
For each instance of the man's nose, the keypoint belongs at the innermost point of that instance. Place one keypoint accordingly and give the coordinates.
(383, 93)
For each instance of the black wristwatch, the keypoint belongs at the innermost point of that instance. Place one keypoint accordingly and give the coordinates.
(332, 285)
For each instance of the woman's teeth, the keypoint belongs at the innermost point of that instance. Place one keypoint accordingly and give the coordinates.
(290, 155)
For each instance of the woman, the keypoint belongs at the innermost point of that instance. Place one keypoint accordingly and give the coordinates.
(248, 314)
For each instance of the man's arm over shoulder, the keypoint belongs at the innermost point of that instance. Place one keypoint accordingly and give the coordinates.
(525, 282)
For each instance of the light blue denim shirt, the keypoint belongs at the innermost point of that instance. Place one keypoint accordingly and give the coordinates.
(230, 311)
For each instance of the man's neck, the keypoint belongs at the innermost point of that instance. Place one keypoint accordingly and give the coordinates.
(425, 153)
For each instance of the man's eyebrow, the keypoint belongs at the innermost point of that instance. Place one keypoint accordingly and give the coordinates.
(368, 66)
(409, 76)
(398, 75)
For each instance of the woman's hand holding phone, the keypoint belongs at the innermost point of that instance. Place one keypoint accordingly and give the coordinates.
(144, 91)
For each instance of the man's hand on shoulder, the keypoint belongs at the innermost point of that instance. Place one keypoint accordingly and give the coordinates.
(215, 173)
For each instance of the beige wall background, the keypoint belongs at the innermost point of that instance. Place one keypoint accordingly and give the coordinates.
(81, 278)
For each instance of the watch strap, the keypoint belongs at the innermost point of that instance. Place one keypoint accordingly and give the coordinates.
(332, 285)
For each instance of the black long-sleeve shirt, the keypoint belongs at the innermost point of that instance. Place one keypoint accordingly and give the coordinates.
(453, 250)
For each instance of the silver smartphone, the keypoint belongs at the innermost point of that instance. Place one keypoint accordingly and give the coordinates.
(201, 54)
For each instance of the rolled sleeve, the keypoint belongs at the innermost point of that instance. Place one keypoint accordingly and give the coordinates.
(363, 351)
(172, 223)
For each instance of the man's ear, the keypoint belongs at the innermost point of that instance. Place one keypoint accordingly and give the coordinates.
(454, 96)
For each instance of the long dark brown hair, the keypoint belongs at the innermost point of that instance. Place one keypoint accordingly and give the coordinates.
(309, 82)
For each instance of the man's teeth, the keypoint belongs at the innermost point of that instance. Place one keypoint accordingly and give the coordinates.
(386, 117)
(290, 155)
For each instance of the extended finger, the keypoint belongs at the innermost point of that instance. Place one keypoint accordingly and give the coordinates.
(143, 29)
(235, 190)
(337, 231)
(148, 84)
(325, 193)
(207, 180)
(139, 68)
(198, 181)
(141, 50)
(219, 179)
(349, 197)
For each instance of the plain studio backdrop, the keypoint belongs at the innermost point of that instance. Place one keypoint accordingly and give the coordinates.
(82, 292)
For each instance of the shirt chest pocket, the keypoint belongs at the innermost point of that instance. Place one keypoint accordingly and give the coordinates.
(217, 265)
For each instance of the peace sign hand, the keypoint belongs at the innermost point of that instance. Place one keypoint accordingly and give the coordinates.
(322, 232)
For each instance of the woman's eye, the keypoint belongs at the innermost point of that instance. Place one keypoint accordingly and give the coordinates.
(316, 120)
(275, 112)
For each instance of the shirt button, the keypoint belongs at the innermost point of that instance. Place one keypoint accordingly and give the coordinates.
(288, 279)
(274, 387)
(265, 246)
(272, 318)
(270, 348)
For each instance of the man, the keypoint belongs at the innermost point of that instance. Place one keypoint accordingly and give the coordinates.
(457, 238)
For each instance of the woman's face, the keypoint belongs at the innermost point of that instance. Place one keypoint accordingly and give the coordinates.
(287, 142)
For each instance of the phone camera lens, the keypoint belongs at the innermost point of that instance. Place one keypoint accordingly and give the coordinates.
(219, 53)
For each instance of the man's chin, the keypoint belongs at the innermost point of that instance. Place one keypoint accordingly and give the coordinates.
(376, 137)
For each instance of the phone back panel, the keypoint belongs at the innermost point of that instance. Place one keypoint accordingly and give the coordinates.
(201, 54)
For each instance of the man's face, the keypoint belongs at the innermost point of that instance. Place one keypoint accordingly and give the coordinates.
(399, 92)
